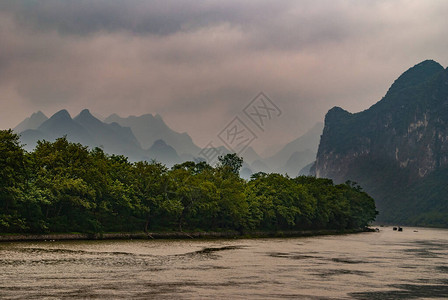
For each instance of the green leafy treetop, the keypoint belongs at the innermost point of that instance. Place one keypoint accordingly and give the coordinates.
(65, 187)
(231, 161)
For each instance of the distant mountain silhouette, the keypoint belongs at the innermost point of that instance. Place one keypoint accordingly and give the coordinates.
(148, 137)
(306, 170)
(246, 172)
(164, 153)
(249, 155)
(87, 130)
(112, 137)
(259, 166)
(296, 154)
(148, 129)
(58, 125)
(298, 161)
(33, 122)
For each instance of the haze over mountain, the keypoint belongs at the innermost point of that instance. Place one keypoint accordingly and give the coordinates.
(148, 137)
(87, 130)
(297, 162)
(250, 155)
(397, 150)
(56, 126)
(298, 153)
(148, 129)
(32, 122)
(164, 153)
(112, 137)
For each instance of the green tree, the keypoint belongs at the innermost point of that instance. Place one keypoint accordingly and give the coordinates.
(231, 162)
(233, 207)
(64, 187)
(150, 183)
(60, 173)
(286, 204)
(12, 178)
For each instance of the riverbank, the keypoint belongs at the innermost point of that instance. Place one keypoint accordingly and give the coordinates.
(171, 235)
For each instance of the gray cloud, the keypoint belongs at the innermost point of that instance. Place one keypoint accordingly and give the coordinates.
(198, 63)
(160, 17)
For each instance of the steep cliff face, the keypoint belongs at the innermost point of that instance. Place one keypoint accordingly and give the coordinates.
(394, 145)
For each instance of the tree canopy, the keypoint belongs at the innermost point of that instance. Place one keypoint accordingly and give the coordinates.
(66, 187)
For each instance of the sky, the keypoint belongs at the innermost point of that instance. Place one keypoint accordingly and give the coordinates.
(200, 63)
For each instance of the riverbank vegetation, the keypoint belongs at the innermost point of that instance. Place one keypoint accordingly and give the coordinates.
(66, 187)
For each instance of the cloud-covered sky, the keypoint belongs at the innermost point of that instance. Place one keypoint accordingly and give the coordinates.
(199, 63)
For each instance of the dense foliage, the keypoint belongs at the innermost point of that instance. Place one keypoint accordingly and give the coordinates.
(65, 187)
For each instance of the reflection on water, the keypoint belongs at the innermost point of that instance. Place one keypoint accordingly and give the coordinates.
(383, 265)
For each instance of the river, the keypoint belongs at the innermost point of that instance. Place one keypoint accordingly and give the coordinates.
(412, 264)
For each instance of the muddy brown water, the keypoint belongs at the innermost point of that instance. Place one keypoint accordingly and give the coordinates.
(412, 264)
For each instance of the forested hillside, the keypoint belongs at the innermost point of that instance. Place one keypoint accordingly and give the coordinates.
(397, 149)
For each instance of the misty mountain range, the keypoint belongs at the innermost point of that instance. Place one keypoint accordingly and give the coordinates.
(397, 150)
(148, 137)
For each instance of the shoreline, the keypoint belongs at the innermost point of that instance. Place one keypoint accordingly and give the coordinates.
(173, 235)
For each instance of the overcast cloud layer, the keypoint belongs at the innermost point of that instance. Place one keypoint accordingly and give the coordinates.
(198, 63)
